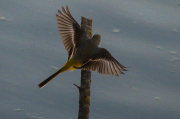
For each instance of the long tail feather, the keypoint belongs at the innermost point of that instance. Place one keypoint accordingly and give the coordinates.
(68, 66)
(42, 84)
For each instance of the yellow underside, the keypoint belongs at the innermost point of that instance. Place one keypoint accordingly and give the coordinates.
(72, 69)
(70, 64)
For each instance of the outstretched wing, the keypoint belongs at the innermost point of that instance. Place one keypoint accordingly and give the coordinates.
(104, 63)
(69, 31)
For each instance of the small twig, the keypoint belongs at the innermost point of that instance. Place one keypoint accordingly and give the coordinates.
(77, 86)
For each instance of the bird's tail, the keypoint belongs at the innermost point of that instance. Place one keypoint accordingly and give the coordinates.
(69, 65)
(42, 84)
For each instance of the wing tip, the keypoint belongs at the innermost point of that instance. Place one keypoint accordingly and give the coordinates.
(67, 9)
(62, 7)
(57, 15)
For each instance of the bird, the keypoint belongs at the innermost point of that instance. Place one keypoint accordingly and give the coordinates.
(83, 52)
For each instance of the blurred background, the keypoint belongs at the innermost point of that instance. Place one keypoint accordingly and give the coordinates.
(143, 35)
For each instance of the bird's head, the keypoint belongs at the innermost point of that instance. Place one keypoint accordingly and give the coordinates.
(97, 39)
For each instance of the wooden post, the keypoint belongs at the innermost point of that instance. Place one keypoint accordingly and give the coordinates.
(84, 89)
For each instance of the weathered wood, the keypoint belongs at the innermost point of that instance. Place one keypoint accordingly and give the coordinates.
(84, 89)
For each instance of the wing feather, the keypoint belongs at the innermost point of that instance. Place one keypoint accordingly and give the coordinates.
(69, 31)
(103, 62)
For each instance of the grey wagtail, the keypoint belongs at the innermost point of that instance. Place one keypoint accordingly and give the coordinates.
(83, 53)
